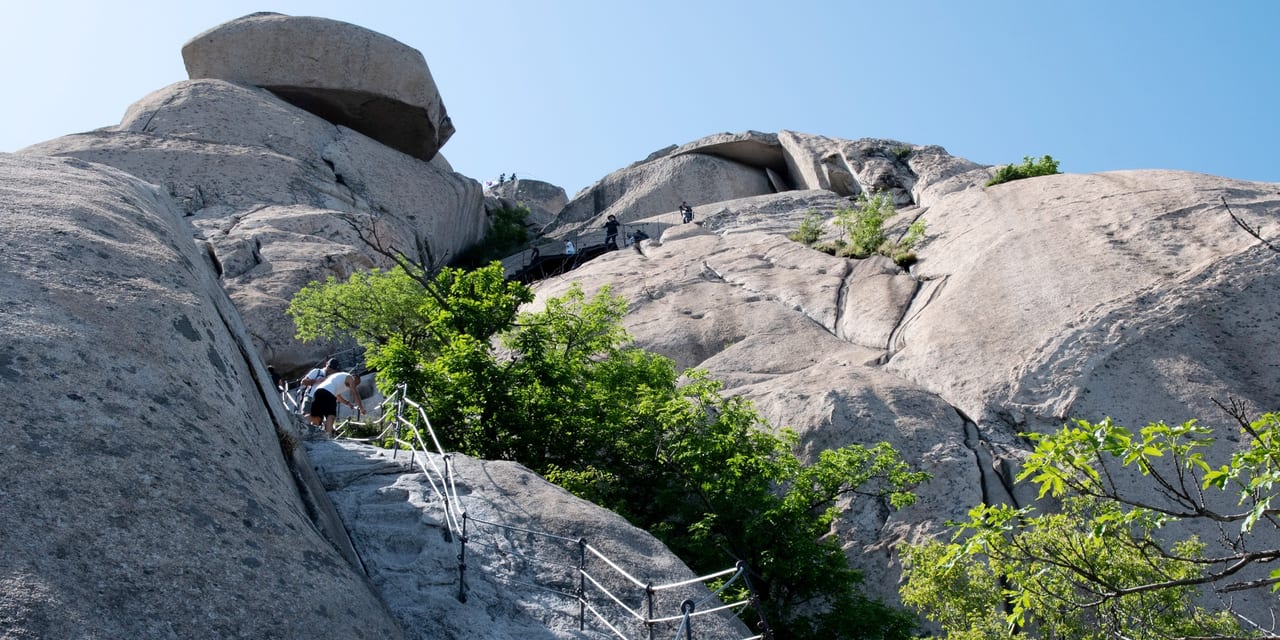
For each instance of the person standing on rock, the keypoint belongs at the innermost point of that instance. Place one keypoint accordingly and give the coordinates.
(686, 212)
(340, 387)
(309, 382)
(569, 249)
(636, 237)
(611, 234)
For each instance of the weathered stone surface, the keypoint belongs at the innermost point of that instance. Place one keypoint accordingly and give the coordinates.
(519, 585)
(868, 165)
(543, 199)
(1128, 294)
(343, 73)
(752, 148)
(659, 185)
(1042, 291)
(533, 193)
(145, 494)
(271, 188)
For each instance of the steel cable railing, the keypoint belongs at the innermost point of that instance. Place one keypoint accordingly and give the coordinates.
(405, 431)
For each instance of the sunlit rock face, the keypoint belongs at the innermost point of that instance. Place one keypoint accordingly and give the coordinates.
(145, 494)
(1127, 294)
(343, 73)
(279, 197)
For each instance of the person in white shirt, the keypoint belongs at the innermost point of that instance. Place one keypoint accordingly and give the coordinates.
(309, 382)
(337, 388)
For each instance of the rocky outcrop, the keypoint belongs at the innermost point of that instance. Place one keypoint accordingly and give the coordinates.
(343, 73)
(869, 165)
(1128, 294)
(145, 492)
(279, 194)
(660, 185)
(521, 550)
(543, 199)
(765, 163)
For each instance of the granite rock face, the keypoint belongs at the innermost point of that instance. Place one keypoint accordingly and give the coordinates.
(521, 531)
(1128, 294)
(343, 73)
(278, 194)
(145, 493)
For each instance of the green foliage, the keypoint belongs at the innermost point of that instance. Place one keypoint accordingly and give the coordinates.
(900, 153)
(1104, 565)
(863, 225)
(1030, 168)
(915, 233)
(563, 391)
(507, 235)
(810, 229)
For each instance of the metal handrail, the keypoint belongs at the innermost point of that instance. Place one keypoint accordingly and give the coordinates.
(456, 519)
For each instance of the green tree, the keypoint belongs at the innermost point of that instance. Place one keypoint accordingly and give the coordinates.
(866, 224)
(507, 235)
(563, 391)
(1030, 168)
(1105, 565)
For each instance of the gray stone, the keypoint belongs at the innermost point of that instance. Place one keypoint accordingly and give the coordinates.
(869, 165)
(752, 148)
(272, 190)
(343, 73)
(145, 492)
(1128, 294)
(521, 554)
(660, 185)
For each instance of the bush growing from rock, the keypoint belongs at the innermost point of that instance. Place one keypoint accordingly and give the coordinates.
(507, 235)
(1030, 168)
(564, 392)
(1108, 563)
(810, 229)
(864, 227)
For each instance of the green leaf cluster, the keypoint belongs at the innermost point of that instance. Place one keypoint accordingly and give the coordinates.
(507, 235)
(810, 229)
(1030, 168)
(862, 231)
(563, 391)
(1104, 565)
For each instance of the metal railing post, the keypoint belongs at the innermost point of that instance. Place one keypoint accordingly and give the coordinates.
(687, 607)
(462, 561)
(648, 591)
(448, 514)
(399, 416)
(582, 584)
(763, 626)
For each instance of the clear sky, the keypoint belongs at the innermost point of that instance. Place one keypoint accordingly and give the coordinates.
(569, 90)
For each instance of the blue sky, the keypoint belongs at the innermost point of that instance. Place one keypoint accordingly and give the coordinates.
(567, 91)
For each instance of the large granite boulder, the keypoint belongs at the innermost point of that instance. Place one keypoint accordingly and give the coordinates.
(543, 199)
(868, 165)
(145, 492)
(343, 73)
(1128, 294)
(659, 185)
(278, 195)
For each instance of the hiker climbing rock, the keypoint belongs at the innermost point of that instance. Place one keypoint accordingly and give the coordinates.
(309, 383)
(636, 237)
(686, 213)
(330, 392)
(611, 234)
